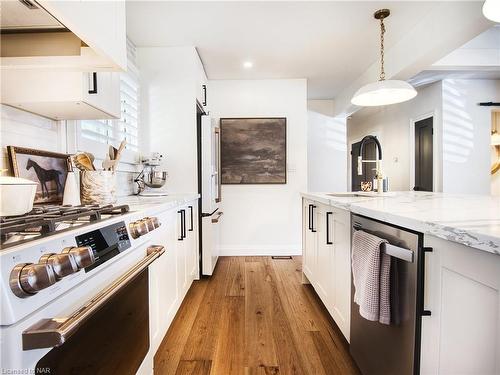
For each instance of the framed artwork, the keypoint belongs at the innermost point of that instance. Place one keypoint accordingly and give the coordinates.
(253, 150)
(48, 169)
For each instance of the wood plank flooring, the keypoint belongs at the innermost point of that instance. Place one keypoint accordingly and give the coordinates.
(253, 317)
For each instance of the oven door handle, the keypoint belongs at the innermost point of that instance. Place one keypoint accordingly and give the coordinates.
(48, 333)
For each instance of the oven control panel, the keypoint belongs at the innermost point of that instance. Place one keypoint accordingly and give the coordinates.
(106, 242)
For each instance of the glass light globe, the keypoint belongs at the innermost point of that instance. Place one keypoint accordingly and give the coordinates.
(491, 10)
(383, 93)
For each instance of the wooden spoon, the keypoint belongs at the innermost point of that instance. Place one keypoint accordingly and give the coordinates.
(108, 164)
(119, 153)
(111, 152)
(91, 157)
(83, 162)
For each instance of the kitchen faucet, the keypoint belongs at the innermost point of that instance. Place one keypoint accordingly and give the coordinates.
(378, 169)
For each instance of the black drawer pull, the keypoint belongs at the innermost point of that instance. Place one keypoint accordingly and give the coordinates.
(328, 240)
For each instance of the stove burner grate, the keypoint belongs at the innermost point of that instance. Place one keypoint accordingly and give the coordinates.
(44, 221)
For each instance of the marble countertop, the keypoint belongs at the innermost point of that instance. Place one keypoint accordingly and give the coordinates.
(471, 220)
(156, 203)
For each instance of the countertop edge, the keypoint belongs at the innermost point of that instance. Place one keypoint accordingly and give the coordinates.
(468, 238)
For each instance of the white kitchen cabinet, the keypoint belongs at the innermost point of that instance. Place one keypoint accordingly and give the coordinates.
(322, 279)
(63, 94)
(309, 256)
(462, 291)
(187, 247)
(173, 273)
(164, 297)
(181, 248)
(100, 24)
(192, 242)
(327, 258)
(340, 271)
(201, 85)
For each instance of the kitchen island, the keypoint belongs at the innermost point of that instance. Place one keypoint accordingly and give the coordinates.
(460, 274)
(471, 220)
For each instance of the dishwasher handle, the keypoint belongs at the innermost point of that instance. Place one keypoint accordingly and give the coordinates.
(398, 252)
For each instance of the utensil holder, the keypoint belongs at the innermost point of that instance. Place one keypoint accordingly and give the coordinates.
(98, 187)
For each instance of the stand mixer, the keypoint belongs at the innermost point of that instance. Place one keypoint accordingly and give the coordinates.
(151, 180)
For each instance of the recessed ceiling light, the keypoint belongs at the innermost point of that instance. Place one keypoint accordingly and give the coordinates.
(247, 64)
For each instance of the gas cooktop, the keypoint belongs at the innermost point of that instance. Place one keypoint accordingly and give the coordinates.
(47, 220)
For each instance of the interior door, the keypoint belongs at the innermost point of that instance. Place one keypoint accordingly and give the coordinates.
(369, 153)
(424, 155)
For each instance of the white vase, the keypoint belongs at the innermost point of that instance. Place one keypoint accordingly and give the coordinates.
(71, 191)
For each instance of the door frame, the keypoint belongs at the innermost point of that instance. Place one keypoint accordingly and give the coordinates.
(349, 148)
(436, 170)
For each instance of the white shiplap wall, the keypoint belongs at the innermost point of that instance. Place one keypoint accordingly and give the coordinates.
(24, 129)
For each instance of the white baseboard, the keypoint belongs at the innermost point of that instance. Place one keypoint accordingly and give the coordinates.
(259, 250)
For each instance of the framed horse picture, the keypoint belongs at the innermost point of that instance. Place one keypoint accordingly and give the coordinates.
(48, 169)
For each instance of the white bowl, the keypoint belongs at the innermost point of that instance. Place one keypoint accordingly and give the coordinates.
(16, 195)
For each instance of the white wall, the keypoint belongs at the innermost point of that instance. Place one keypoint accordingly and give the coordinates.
(392, 125)
(265, 219)
(466, 135)
(326, 148)
(168, 111)
(24, 129)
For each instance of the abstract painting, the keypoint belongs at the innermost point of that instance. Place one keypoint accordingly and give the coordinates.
(48, 169)
(253, 150)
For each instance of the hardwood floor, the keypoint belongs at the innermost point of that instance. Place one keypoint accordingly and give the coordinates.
(253, 317)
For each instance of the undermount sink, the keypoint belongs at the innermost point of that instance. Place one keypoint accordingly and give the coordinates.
(362, 194)
(347, 195)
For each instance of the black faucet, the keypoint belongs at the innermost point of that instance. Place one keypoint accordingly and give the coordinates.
(377, 161)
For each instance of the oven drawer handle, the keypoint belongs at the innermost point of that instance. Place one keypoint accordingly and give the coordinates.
(48, 333)
(216, 219)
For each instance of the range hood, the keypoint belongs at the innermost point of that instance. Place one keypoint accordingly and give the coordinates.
(19, 16)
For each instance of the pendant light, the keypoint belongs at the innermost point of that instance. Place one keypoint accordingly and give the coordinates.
(491, 10)
(383, 92)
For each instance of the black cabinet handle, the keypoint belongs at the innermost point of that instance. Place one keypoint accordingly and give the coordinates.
(94, 83)
(312, 218)
(184, 223)
(181, 237)
(328, 241)
(204, 88)
(191, 227)
(423, 311)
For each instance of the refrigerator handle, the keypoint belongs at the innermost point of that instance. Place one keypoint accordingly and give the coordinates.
(218, 199)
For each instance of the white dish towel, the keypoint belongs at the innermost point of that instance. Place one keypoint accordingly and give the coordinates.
(371, 269)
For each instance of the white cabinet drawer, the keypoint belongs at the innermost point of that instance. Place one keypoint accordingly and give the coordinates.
(63, 95)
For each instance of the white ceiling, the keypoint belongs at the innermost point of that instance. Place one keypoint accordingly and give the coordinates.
(329, 43)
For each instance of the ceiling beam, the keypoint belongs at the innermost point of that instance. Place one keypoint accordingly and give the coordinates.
(446, 28)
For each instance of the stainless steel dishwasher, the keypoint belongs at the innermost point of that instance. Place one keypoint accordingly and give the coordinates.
(393, 349)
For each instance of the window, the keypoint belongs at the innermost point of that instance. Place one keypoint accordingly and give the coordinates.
(114, 131)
